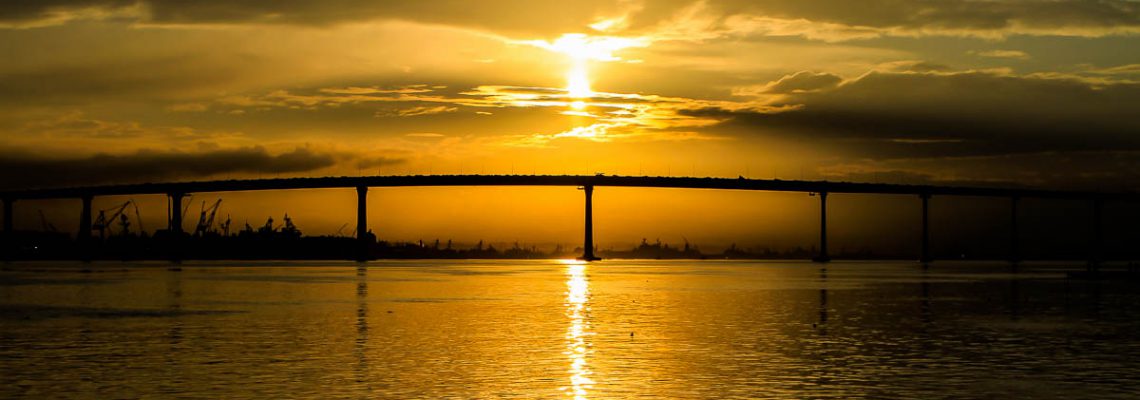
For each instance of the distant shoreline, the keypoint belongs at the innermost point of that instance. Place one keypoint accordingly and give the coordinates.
(280, 246)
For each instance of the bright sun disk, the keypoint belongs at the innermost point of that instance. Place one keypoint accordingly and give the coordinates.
(582, 49)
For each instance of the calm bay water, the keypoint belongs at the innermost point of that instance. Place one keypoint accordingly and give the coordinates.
(549, 329)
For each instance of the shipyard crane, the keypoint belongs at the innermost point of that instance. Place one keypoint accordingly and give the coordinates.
(101, 223)
(125, 223)
(213, 213)
(206, 223)
(186, 208)
(138, 217)
(48, 227)
(225, 225)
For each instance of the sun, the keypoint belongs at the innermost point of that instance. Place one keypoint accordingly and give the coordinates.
(582, 49)
(578, 81)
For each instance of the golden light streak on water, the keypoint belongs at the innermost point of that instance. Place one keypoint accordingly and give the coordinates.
(578, 345)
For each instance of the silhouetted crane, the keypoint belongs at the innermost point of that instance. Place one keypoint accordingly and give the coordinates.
(101, 223)
(138, 218)
(225, 225)
(48, 227)
(206, 223)
(125, 223)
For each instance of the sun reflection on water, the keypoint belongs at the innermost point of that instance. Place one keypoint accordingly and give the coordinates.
(578, 347)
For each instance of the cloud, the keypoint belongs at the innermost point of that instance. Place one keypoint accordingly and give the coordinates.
(188, 107)
(800, 82)
(153, 77)
(885, 115)
(72, 131)
(1013, 54)
(33, 14)
(75, 124)
(539, 16)
(424, 110)
(355, 90)
(22, 169)
(616, 116)
(1129, 69)
(913, 66)
(842, 20)
(378, 161)
(827, 20)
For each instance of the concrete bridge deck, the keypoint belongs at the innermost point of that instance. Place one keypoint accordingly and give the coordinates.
(177, 190)
(555, 180)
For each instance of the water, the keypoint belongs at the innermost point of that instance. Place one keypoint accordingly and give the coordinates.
(549, 329)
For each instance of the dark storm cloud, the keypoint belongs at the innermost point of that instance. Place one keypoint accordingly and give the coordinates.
(29, 11)
(915, 115)
(954, 14)
(511, 15)
(160, 77)
(506, 15)
(995, 17)
(22, 170)
(843, 19)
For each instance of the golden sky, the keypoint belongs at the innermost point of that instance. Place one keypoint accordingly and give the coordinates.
(1039, 93)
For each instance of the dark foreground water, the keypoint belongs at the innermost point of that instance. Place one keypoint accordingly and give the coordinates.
(548, 329)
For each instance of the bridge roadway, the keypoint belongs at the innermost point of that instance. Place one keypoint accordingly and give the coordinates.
(552, 180)
(177, 190)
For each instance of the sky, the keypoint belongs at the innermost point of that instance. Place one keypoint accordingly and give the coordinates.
(1001, 92)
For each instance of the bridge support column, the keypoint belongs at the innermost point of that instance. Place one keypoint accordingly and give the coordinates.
(925, 256)
(364, 245)
(1096, 248)
(822, 256)
(588, 243)
(1014, 256)
(174, 227)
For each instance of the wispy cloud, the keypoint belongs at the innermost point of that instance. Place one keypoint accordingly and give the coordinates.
(1120, 70)
(1011, 54)
(613, 116)
(425, 110)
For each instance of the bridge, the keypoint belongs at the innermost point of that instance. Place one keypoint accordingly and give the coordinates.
(177, 190)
